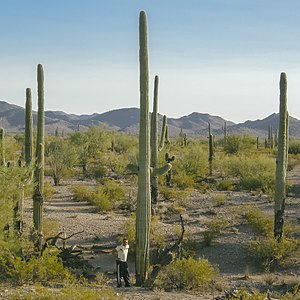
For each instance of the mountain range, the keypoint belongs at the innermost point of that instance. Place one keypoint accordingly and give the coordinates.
(127, 120)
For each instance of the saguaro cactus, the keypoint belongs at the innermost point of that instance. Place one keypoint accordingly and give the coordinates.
(154, 141)
(281, 162)
(39, 169)
(143, 211)
(225, 132)
(28, 128)
(2, 147)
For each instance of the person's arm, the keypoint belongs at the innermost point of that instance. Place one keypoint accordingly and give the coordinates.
(115, 252)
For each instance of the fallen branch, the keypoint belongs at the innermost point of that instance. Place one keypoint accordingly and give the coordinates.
(53, 239)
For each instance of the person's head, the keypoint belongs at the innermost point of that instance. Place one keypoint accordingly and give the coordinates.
(125, 241)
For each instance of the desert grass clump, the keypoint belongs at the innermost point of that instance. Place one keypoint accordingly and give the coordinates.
(188, 274)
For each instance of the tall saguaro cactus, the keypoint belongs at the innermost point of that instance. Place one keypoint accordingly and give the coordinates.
(154, 141)
(143, 211)
(210, 148)
(2, 147)
(39, 169)
(281, 162)
(28, 128)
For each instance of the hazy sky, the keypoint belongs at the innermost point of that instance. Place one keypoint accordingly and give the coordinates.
(221, 57)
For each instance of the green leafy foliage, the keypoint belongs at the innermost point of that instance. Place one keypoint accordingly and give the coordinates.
(270, 252)
(254, 172)
(187, 274)
(61, 157)
(19, 263)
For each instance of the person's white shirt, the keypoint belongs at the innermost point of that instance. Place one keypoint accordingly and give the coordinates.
(122, 251)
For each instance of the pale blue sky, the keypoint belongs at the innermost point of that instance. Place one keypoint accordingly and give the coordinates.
(221, 57)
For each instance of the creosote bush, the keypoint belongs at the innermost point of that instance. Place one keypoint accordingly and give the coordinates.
(269, 252)
(187, 274)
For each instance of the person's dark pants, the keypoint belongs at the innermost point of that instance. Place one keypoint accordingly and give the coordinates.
(122, 271)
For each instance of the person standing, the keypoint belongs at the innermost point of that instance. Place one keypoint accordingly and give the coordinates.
(121, 253)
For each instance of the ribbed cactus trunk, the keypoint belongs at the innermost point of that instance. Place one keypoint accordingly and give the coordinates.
(2, 147)
(154, 142)
(210, 152)
(28, 128)
(225, 133)
(210, 148)
(39, 169)
(281, 162)
(143, 211)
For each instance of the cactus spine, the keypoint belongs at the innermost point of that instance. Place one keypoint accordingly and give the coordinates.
(281, 162)
(28, 128)
(143, 211)
(2, 134)
(39, 169)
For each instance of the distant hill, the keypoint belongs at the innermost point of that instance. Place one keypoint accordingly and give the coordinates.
(127, 120)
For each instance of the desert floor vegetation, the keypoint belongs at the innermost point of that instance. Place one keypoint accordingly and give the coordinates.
(228, 219)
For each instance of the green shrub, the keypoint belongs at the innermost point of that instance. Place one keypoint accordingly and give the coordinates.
(294, 147)
(219, 199)
(269, 252)
(99, 171)
(233, 144)
(187, 274)
(182, 181)
(225, 185)
(192, 161)
(113, 190)
(174, 194)
(20, 264)
(48, 190)
(259, 222)
(254, 172)
(82, 193)
(101, 200)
